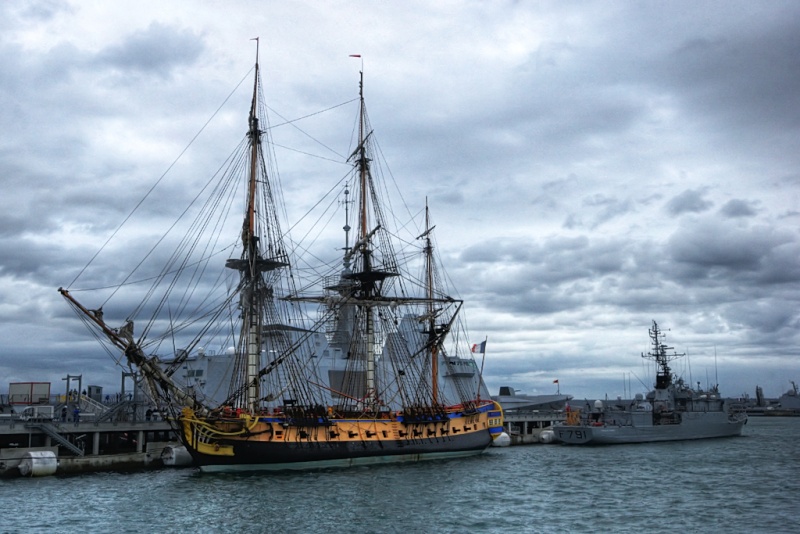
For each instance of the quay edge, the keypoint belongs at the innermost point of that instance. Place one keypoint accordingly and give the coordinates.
(42, 448)
(528, 418)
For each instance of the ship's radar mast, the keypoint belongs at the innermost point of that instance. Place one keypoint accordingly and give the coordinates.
(659, 355)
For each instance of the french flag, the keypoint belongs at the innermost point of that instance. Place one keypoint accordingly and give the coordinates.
(479, 348)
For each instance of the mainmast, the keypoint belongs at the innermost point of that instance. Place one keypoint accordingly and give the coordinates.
(362, 159)
(363, 174)
(346, 228)
(369, 276)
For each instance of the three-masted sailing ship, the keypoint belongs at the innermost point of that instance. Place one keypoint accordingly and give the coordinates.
(363, 363)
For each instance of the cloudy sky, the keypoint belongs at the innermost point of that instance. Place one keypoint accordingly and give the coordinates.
(592, 166)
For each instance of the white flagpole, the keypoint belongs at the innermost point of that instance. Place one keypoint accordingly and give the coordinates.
(483, 359)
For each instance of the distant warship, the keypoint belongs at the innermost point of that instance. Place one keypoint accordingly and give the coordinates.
(672, 411)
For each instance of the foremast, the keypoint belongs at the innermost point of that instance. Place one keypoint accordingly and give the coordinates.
(256, 260)
(259, 264)
(250, 250)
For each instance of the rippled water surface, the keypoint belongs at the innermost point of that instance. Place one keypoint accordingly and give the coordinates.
(746, 484)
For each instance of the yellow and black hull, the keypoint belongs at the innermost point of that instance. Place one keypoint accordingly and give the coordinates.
(275, 442)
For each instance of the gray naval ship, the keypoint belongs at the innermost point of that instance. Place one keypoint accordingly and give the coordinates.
(672, 411)
(787, 405)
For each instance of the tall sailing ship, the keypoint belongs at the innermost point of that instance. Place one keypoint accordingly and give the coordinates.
(364, 362)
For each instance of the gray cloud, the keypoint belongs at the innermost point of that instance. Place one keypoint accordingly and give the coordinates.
(712, 246)
(690, 201)
(590, 167)
(738, 208)
(158, 49)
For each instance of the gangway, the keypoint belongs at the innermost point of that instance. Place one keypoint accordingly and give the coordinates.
(90, 405)
(50, 430)
(111, 411)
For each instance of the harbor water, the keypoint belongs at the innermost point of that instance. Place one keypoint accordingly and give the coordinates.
(747, 484)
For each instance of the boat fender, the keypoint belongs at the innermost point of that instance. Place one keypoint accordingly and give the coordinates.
(502, 440)
(547, 436)
(38, 463)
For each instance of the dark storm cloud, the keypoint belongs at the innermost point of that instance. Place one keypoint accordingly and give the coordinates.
(590, 166)
(24, 258)
(739, 208)
(750, 77)
(767, 316)
(159, 49)
(713, 247)
(542, 276)
(690, 201)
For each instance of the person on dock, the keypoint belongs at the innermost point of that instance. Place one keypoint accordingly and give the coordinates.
(76, 415)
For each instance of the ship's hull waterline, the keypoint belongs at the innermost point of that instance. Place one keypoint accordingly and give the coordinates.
(610, 435)
(269, 444)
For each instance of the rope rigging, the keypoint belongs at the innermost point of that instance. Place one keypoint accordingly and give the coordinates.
(293, 315)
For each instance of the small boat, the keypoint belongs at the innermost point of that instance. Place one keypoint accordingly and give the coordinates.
(356, 361)
(672, 411)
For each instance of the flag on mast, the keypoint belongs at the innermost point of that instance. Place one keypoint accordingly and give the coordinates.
(479, 348)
